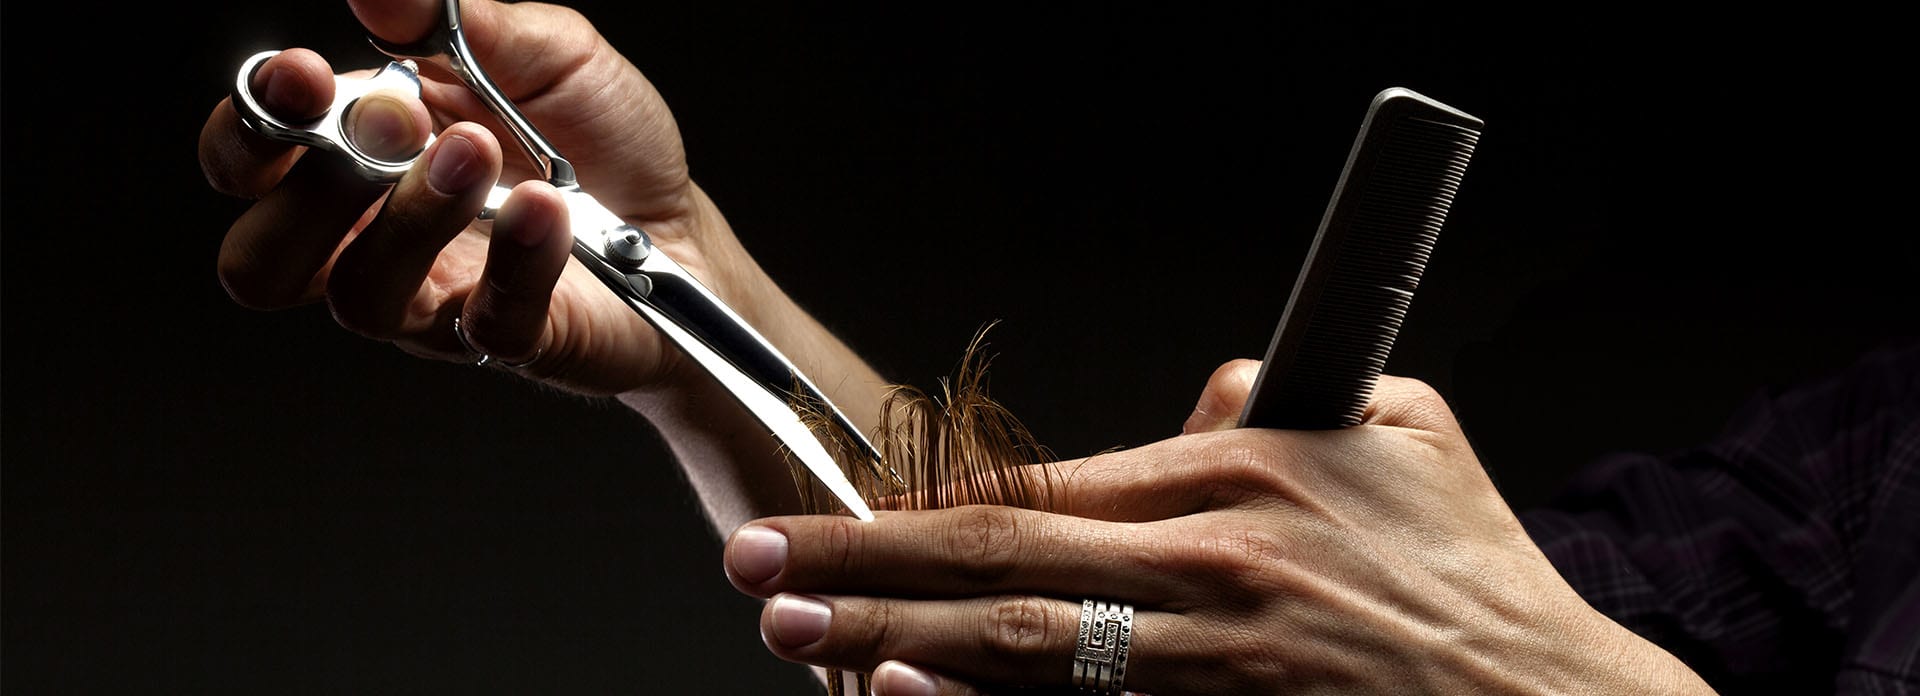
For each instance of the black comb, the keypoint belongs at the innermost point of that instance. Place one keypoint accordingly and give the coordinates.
(1360, 274)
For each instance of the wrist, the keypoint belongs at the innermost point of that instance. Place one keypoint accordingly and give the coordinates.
(731, 271)
(1626, 663)
(721, 262)
(734, 465)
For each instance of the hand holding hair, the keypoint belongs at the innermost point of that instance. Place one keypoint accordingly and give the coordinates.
(1375, 559)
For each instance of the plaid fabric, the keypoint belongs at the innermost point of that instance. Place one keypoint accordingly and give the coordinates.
(1783, 557)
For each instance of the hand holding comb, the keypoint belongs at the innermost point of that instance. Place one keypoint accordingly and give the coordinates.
(1365, 263)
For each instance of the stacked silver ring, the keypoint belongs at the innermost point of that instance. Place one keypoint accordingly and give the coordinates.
(482, 359)
(460, 332)
(1100, 659)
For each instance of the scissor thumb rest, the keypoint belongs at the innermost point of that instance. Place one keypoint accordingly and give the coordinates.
(328, 130)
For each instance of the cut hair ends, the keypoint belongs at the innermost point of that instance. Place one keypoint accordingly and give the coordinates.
(959, 447)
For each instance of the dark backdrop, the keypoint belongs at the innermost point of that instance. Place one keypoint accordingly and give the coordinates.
(1668, 213)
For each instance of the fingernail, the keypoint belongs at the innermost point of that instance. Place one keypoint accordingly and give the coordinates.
(799, 621)
(455, 166)
(757, 554)
(1194, 422)
(382, 127)
(902, 679)
(277, 93)
(527, 224)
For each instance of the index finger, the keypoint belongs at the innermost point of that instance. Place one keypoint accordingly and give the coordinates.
(295, 85)
(965, 551)
(1171, 478)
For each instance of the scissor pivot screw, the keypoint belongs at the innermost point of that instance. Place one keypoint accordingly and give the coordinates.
(628, 244)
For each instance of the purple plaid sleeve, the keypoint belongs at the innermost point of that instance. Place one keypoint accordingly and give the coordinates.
(1783, 557)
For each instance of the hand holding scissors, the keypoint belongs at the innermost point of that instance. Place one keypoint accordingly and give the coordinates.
(409, 273)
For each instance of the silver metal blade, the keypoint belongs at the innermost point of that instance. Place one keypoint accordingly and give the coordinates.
(771, 410)
(709, 332)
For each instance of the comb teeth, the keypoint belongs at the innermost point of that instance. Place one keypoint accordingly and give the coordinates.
(1359, 278)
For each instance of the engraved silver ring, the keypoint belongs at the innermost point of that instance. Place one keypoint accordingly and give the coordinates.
(1105, 638)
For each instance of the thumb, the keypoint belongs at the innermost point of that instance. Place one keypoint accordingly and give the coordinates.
(557, 69)
(540, 42)
(1223, 398)
(398, 21)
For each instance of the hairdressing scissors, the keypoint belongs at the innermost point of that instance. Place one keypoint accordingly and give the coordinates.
(621, 255)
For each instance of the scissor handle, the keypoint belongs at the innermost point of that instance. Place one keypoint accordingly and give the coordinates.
(621, 255)
(328, 130)
(446, 46)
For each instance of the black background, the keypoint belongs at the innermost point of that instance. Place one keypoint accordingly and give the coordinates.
(1668, 212)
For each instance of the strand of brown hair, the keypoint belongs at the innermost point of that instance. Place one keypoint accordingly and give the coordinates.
(958, 448)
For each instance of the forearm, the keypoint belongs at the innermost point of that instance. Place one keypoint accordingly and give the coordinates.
(733, 464)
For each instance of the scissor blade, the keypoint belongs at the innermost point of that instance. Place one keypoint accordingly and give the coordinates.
(772, 411)
(709, 332)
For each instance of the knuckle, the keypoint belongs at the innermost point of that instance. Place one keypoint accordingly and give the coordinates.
(1244, 554)
(405, 226)
(1233, 565)
(1233, 375)
(221, 153)
(251, 286)
(1019, 627)
(1223, 397)
(575, 21)
(986, 543)
(1243, 466)
(1426, 401)
(844, 550)
(1411, 403)
(1411, 389)
(494, 296)
(879, 625)
(367, 304)
(354, 308)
